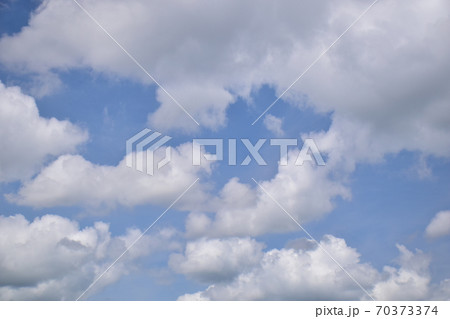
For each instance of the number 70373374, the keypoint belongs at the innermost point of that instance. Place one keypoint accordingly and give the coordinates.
(407, 310)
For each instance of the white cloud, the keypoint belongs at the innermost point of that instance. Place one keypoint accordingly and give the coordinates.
(28, 140)
(273, 124)
(72, 180)
(409, 282)
(381, 77)
(439, 225)
(51, 258)
(216, 260)
(306, 192)
(387, 90)
(304, 272)
(297, 274)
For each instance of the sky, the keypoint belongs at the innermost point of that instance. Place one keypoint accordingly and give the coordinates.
(367, 82)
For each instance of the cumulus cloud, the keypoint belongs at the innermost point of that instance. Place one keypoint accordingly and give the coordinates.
(381, 78)
(439, 225)
(72, 180)
(216, 260)
(383, 82)
(297, 274)
(306, 192)
(409, 282)
(226, 49)
(304, 272)
(387, 89)
(51, 258)
(29, 140)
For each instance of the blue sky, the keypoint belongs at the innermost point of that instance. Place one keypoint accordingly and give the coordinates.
(376, 105)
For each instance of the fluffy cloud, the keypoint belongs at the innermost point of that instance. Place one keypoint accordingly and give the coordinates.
(384, 83)
(439, 225)
(203, 50)
(387, 90)
(52, 258)
(297, 274)
(28, 140)
(381, 78)
(72, 180)
(409, 282)
(217, 259)
(306, 192)
(303, 271)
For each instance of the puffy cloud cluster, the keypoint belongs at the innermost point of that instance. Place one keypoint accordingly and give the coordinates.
(213, 52)
(296, 274)
(386, 82)
(306, 192)
(304, 271)
(409, 282)
(72, 180)
(51, 258)
(381, 78)
(29, 140)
